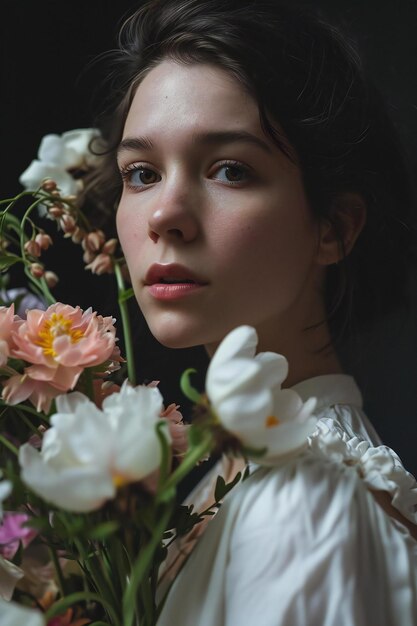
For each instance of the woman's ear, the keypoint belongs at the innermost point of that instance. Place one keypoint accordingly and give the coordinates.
(338, 234)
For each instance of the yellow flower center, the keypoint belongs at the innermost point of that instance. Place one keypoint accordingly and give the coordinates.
(272, 421)
(55, 327)
(119, 480)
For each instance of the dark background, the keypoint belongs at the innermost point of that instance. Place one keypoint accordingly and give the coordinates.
(45, 88)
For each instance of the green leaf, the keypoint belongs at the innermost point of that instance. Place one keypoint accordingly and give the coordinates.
(102, 531)
(195, 435)
(186, 387)
(222, 488)
(8, 261)
(165, 464)
(126, 295)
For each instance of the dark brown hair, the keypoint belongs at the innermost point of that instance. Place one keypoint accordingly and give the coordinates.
(308, 77)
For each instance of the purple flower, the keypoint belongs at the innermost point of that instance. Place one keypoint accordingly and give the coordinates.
(26, 300)
(12, 532)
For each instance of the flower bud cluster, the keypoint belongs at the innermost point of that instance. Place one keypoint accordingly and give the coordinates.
(33, 248)
(98, 253)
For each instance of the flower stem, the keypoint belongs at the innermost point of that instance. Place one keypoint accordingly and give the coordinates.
(127, 333)
(189, 461)
(9, 445)
(58, 570)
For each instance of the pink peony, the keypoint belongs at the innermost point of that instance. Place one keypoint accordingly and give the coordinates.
(8, 323)
(177, 429)
(59, 343)
(20, 387)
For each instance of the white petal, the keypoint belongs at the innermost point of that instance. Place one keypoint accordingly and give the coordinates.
(13, 614)
(231, 378)
(287, 404)
(77, 489)
(37, 171)
(274, 368)
(240, 342)
(10, 574)
(85, 437)
(77, 141)
(51, 149)
(137, 451)
(137, 458)
(239, 412)
(69, 402)
(280, 440)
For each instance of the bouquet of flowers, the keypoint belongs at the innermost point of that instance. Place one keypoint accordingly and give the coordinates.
(90, 460)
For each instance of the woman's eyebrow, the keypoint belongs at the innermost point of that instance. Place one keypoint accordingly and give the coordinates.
(134, 143)
(207, 138)
(231, 136)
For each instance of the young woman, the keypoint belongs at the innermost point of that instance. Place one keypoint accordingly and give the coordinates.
(263, 184)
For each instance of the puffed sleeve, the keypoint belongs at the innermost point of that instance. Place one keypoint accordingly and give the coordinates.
(311, 547)
(305, 543)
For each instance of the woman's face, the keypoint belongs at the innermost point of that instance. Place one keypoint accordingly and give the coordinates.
(213, 219)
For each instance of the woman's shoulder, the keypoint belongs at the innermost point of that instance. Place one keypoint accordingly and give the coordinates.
(334, 481)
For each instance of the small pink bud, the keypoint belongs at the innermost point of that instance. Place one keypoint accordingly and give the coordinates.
(88, 257)
(110, 246)
(43, 240)
(78, 235)
(32, 248)
(55, 211)
(36, 270)
(51, 279)
(102, 264)
(49, 185)
(67, 224)
(94, 241)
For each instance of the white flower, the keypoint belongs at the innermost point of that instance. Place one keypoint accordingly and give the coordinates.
(88, 452)
(5, 491)
(57, 156)
(12, 614)
(245, 392)
(10, 574)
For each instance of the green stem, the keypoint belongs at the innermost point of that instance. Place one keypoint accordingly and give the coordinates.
(9, 445)
(141, 567)
(89, 387)
(27, 409)
(40, 287)
(28, 423)
(58, 570)
(189, 461)
(127, 333)
(81, 596)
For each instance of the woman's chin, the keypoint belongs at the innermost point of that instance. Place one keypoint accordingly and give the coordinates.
(176, 335)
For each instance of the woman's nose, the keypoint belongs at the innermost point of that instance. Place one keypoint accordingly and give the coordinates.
(173, 218)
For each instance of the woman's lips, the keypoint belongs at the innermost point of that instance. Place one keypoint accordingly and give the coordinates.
(172, 291)
(171, 281)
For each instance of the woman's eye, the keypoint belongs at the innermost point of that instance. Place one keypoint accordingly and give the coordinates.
(138, 176)
(232, 173)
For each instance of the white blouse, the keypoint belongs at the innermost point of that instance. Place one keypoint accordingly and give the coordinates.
(304, 543)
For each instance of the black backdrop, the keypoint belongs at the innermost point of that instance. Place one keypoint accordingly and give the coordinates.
(45, 46)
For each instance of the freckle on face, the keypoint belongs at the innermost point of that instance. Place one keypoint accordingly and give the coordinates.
(254, 243)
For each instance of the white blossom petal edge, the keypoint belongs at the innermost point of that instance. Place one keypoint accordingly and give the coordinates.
(12, 614)
(245, 392)
(87, 453)
(10, 574)
(57, 156)
(5, 491)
